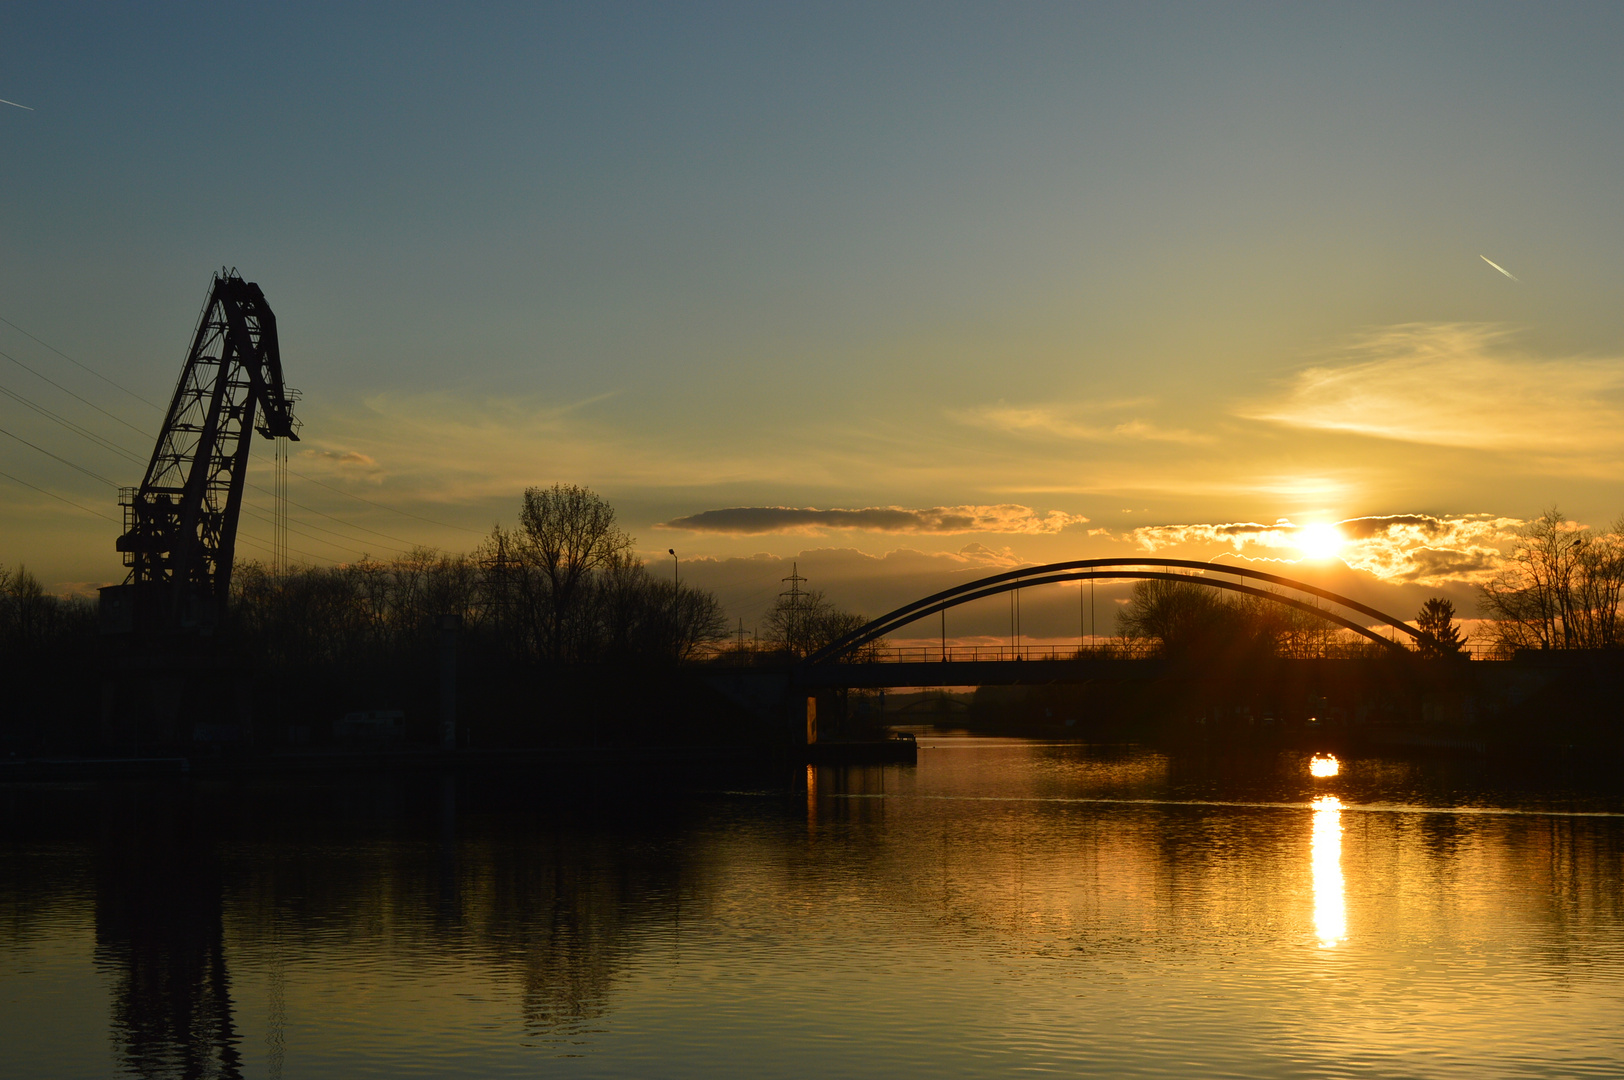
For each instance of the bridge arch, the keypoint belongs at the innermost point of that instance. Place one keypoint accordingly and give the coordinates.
(1186, 570)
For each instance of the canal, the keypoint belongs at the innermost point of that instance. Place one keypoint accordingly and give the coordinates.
(1002, 907)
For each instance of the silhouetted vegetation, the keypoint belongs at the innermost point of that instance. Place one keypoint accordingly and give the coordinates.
(45, 644)
(564, 588)
(33, 621)
(546, 612)
(1192, 621)
(801, 623)
(1560, 588)
(1436, 619)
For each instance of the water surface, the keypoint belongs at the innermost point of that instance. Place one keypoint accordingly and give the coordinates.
(1002, 907)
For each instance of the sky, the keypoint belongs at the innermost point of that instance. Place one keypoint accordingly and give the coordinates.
(894, 294)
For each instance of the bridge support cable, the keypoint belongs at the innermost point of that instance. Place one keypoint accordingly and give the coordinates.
(1178, 570)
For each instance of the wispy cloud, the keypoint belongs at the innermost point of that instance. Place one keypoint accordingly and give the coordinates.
(342, 458)
(939, 520)
(1074, 424)
(1418, 548)
(1461, 385)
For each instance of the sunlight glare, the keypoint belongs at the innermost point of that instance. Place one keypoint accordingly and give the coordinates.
(1325, 765)
(1319, 541)
(1330, 911)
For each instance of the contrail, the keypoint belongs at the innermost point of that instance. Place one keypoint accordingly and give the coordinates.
(1500, 268)
(3, 101)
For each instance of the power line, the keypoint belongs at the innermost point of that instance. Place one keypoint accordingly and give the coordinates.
(159, 408)
(59, 498)
(77, 364)
(246, 539)
(63, 460)
(385, 506)
(341, 521)
(349, 541)
(132, 456)
(71, 394)
(106, 444)
(71, 426)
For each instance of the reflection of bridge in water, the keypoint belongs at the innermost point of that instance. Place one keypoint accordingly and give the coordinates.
(857, 660)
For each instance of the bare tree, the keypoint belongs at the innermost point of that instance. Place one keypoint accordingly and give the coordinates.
(570, 532)
(801, 623)
(1559, 589)
(1181, 616)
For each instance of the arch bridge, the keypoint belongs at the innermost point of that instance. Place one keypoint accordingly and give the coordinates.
(1237, 579)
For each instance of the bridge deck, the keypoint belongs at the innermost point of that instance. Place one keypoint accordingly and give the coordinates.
(974, 673)
(1017, 672)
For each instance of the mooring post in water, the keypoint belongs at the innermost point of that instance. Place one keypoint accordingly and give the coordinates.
(449, 625)
(811, 719)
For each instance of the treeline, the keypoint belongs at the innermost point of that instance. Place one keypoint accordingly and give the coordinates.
(564, 587)
(1187, 620)
(47, 644)
(33, 621)
(1560, 588)
(557, 621)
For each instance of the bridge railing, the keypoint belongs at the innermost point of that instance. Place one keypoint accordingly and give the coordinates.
(1104, 649)
(1121, 649)
(918, 654)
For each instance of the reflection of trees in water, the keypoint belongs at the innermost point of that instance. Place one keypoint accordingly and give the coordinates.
(158, 935)
(567, 911)
(557, 894)
(553, 897)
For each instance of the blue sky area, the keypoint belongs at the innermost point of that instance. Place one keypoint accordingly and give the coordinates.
(1055, 280)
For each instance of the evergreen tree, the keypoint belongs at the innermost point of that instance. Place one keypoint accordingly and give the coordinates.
(1437, 620)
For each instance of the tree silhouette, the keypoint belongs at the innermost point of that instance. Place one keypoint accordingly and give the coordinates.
(1562, 587)
(1437, 620)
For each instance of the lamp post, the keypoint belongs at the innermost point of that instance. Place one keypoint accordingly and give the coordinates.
(675, 581)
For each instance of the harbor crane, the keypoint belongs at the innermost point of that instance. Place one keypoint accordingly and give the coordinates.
(180, 525)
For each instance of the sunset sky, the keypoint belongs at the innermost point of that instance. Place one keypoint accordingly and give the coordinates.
(895, 293)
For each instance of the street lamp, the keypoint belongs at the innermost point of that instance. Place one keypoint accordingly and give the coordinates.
(674, 577)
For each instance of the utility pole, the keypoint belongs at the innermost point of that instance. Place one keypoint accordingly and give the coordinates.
(800, 630)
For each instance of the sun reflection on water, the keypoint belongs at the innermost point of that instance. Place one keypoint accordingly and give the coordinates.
(1330, 911)
(1324, 766)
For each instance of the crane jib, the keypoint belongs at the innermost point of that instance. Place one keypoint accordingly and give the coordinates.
(180, 524)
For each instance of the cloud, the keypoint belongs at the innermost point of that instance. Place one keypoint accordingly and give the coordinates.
(938, 520)
(1461, 385)
(1066, 424)
(855, 580)
(343, 458)
(1418, 548)
(82, 590)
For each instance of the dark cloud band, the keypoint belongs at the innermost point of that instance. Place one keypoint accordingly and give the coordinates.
(941, 520)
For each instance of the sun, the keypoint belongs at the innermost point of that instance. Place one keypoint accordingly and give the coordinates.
(1319, 542)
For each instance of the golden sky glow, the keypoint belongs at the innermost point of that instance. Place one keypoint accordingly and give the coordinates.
(1207, 302)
